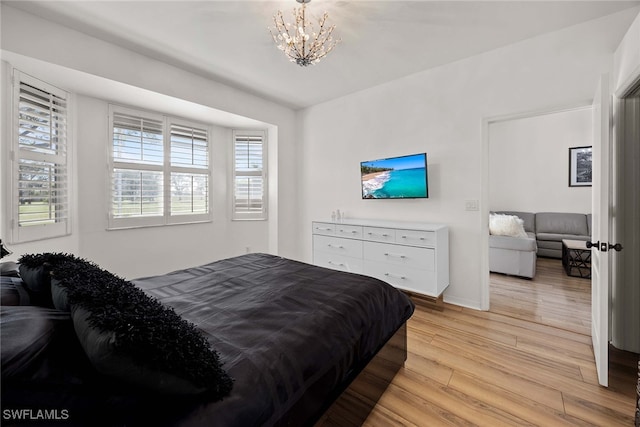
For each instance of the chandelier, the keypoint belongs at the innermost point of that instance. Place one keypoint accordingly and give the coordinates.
(300, 41)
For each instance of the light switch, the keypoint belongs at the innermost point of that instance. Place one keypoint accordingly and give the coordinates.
(471, 205)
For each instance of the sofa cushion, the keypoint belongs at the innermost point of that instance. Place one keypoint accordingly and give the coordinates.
(529, 219)
(513, 243)
(549, 244)
(589, 219)
(559, 237)
(561, 223)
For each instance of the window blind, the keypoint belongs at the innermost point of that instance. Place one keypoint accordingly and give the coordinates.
(249, 176)
(40, 175)
(137, 183)
(189, 147)
(159, 170)
(137, 140)
(189, 169)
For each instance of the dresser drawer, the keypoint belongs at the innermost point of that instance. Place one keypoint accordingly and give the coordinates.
(351, 231)
(379, 234)
(403, 277)
(416, 238)
(324, 228)
(409, 256)
(338, 246)
(338, 262)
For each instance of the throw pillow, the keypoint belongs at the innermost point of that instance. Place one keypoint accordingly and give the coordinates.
(133, 337)
(506, 225)
(26, 334)
(13, 292)
(35, 271)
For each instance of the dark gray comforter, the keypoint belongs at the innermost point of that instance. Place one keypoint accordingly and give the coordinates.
(282, 328)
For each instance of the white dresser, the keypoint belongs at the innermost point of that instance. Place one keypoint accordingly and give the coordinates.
(410, 256)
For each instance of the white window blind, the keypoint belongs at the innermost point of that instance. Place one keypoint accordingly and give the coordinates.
(249, 191)
(137, 178)
(189, 170)
(159, 170)
(40, 207)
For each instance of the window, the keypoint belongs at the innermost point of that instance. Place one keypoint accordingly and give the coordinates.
(40, 198)
(159, 170)
(250, 183)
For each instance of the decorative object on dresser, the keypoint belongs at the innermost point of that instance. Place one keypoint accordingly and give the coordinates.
(411, 256)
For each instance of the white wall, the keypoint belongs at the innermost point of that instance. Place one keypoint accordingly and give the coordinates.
(441, 111)
(154, 249)
(138, 252)
(529, 162)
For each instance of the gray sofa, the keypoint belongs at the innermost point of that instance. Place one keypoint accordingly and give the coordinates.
(553, 227)
(545, 232)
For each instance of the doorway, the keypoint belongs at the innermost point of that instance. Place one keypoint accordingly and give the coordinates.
(528, 157)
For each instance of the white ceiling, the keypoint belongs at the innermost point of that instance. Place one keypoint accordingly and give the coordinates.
(382, 40)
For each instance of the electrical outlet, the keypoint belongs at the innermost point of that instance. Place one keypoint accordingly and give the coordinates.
(471, 205)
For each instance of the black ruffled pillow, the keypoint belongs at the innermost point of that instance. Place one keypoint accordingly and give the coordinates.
(133, 337)
(35, 271)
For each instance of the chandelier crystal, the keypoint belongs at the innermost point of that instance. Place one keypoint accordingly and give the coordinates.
(300, 41)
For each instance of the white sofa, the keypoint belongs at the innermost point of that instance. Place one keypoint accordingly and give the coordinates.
(515, 255)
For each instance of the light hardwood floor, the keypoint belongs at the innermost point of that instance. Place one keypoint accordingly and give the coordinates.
(528, 361)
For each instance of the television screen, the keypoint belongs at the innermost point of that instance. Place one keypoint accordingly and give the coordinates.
(395, 178)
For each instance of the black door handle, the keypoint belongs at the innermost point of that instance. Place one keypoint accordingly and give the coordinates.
(617, 247)
(604, 247)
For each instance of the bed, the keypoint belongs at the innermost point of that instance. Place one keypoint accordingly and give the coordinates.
(293, 336)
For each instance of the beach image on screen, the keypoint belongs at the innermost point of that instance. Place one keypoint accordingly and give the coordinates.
(398, 177)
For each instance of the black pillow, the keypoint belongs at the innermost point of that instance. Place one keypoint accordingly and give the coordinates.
(9, 269)
(133, 337)
(13, 292)
(26, 333)
(35, 271)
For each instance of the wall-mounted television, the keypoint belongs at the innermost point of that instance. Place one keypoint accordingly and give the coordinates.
(403, 177)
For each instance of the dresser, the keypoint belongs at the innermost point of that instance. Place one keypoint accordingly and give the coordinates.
(410, 256)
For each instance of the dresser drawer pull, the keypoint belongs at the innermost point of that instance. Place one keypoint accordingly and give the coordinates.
(395, 255)
(421, 238)
(352, 231)
(374, 234)
(339, 264)
(395, 276)
(335, 246)
(324, 229)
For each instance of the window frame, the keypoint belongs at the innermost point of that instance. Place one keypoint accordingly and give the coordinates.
(59, 228)
(250, 216)
(166, 168)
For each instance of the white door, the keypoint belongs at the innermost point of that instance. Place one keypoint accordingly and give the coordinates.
(600, 229)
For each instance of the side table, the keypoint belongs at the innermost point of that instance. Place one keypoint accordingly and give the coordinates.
(576, 258)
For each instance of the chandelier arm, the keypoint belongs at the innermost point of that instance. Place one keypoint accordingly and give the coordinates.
(282, 24)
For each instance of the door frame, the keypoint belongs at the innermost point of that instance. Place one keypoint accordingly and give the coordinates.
(484, 183)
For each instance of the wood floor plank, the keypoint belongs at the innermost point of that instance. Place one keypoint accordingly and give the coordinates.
(527, 409)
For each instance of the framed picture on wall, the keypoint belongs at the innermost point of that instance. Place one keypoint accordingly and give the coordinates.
(580, 166)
